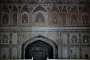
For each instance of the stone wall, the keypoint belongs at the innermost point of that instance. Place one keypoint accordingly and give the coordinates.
(65, 23)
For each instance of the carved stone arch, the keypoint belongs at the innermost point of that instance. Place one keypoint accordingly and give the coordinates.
(39, 8)
(40, 18)
(44, 39)
(85, 39)
(5, 19)
(24, 17)
(74, 39)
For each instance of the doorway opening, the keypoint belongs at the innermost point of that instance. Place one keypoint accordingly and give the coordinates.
(39, 50)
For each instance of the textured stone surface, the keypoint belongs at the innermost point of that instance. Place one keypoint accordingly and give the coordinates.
(63, 24)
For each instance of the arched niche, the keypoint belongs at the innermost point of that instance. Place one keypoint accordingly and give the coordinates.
(5, 19)
(40, 18)
(25, 18)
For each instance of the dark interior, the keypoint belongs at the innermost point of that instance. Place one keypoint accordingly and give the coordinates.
(39, 50)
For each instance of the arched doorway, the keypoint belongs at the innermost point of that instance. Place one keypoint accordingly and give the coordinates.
(39, 43)
(39, 50)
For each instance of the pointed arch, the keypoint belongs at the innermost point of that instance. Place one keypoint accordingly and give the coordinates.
(41, 38)
(39, 17)
(25, 18)
(37, 47)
